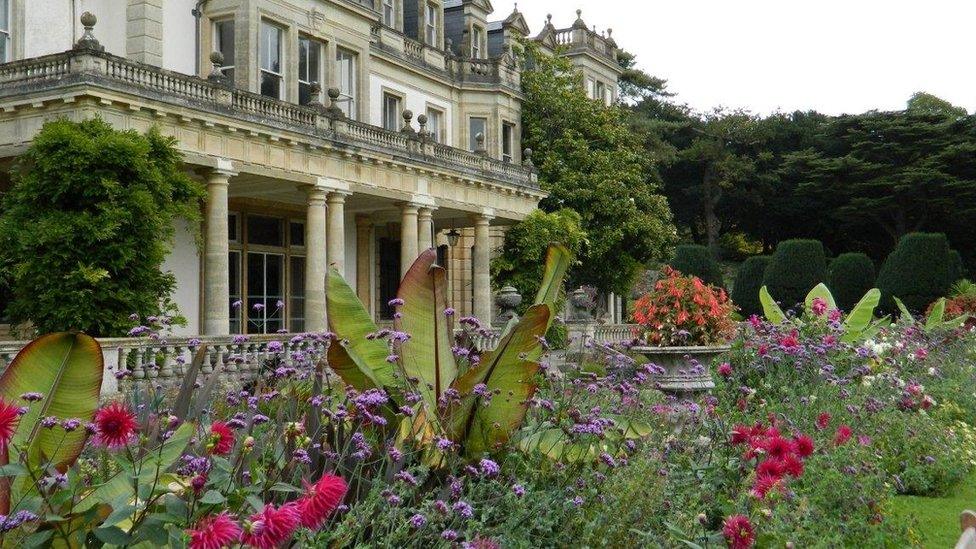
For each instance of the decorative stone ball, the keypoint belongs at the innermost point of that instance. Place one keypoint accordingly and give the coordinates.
(217, 58)
(88, 19)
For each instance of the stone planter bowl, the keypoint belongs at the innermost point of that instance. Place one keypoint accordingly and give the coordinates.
(678, 364)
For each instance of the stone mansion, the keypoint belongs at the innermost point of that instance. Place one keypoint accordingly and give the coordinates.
(343, 133)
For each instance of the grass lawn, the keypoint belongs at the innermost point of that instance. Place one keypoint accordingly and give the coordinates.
(937, 519)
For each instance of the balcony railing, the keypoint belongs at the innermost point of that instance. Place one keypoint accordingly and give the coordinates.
(52, 72)
(582, 39)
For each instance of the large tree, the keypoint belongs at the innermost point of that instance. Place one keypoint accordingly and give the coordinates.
(590, 160)
(86, 226)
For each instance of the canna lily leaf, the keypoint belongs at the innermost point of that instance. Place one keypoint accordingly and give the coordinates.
(861, 315)
(821, 291)
(427, 355)
(771, 310)
(558, 258)
(359, 361)
(508, 372)
(67, 369)
(556, 445)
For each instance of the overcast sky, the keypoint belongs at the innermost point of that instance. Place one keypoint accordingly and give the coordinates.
(835, 56)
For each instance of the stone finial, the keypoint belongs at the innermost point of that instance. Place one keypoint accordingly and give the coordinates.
(579, 24)
(527, 158)
(315, 92)
(480, 143)
(217, 75)
(407, 117)
(548, 19)
(422, 120)
(87, 42)
(334, 111)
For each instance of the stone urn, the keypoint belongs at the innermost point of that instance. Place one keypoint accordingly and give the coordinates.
(687, 370)
(507, 299)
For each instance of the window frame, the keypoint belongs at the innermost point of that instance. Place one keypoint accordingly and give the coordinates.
(478, 43)
(437, 133)
(472, 135)
(6, 34)
(230, 62)
(392, 7)
(320, 67)
(508, 134)
(347, 98)
(262, 49)
(394, 122)
(431, 21)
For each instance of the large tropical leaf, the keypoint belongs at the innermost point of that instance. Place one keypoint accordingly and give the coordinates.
(427, 356)
(508, 371)
(821, 291)
(556, 445)
(359, 361)
(771, 310)
(67, 369)
(558, 258)
(905, 313)
(936, 315)
(861, 316)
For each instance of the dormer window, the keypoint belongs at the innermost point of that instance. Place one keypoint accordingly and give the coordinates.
(477, 42)
(430, 24)
(389, 13)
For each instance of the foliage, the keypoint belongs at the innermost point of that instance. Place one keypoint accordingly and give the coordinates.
(748, 280)
(87, 223)
(522, 260)
(591, 161)
(797, 266)
(697, 261)
(848, 277)
(915, 271)
(955, 267)
(684, 311)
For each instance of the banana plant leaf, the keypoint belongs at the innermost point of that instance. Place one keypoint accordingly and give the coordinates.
(936, 315)
(558, 258)
(359, 361)
(821, 291)
(556, 445)
(860, 317)
(507, 371)
(771, 310)
(67, 369)
(903, 310)
(427, 356)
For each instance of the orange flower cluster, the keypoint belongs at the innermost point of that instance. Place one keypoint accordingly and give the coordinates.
(683, 310)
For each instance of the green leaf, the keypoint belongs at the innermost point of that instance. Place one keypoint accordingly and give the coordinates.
(12, 470)
(861, 315)
(771, 310)
(181, 406)
(632, 428)
(155, 461)
(212, 497)
(558, 258)
(112, 535)
(427, 355)
(509, 371)
(936, 315)
(120, 513)
(905, 313)
(67, 369)
(556, 445)
(821, 291)
(360, 362)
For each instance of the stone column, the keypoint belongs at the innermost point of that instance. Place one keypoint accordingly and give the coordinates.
(481, 284)
(425, 229)
(216, 263)
(316, 262)
(408, 236)
(337, 231)
(364, 260)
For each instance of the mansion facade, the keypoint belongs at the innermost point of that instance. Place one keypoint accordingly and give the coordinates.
(349, 134)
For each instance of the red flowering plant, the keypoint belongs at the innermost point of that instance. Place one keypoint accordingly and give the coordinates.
(684, 311)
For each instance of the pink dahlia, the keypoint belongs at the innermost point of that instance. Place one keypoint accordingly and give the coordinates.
(823, 420)
(320, 500)
(214, 532)
(803, 445)
(778, 447)
(843, 435)
(771, 467)
(793, 466)
(738, 532)
(725, 369)
(9, 419)
(115, 425)
(221, 440)
(763, 485)
(271, 527)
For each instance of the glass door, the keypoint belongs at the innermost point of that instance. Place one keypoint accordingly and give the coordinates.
(265, 292)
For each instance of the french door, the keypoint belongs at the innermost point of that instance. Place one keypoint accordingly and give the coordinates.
(265, 292)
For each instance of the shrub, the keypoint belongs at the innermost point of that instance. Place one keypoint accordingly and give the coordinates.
(956, 268)
(748, 281)
(88, 221)
(682, 310)
(694, 260)
(850, 275)
(795, 268)
(915, 272)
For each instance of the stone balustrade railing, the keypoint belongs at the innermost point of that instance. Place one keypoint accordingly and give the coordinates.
(580, 39)
(51, 72)
(614, 333)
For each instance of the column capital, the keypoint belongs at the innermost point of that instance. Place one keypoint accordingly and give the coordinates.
(222, 167)
(485, 216)
(314, 192)
(411, 207)
(336, 196)
(427, 211)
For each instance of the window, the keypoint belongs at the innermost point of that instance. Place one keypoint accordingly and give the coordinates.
(309, 69)
(477, 42)
(224, 43)
(346, 73)
(600, 91)
(265, 231)
(391, 112)
(435, 120)
(430, 25)
(296, 295)
(270, 60)
(591, 88)
(508, 142)
(608, 95)
(5, 51)
(389, 13)
(477, 126)
(265, 292)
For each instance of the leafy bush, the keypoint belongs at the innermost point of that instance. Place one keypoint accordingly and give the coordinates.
(682, 310)
(795, 268)
(87, 224)
(916, 272)
(695, 260)
(849, 276)
(748, 281)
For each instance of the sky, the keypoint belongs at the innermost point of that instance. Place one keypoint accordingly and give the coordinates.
(833, 56)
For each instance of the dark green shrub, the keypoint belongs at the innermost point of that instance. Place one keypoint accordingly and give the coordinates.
(696, 260)
(795, 268)
(956, 268)
(748, 281)
(850, 275)
(87, 224)
(917, 271)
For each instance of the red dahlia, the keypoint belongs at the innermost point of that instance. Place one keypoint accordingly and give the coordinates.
(738, 532)
(9, 419)
(221, 439)
(320, 500)
(803, 445)
(778, 447)
(271, 527)
(115, 425)
(843, 435)
(214, 532)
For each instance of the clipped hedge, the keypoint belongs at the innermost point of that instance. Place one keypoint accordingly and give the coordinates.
(916, 271)
(956, 268)
(696, 260)
(795, 268)
(748, 281)
(850, 275)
